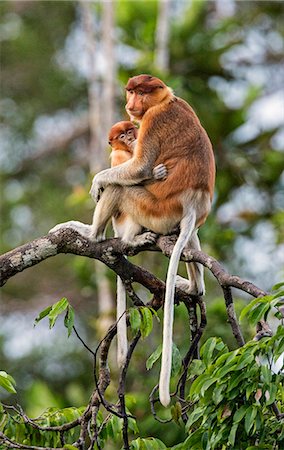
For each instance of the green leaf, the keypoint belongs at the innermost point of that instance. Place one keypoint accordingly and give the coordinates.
(235, 379)
(154, 357)
(266, 374)
(258, 312)
(69, 319)
(261, 447)
(117, 425)
(132, 424)
(218, 393)
(278, 286)
(207, 349)
(207, 384)
(146, 322)
(194, 417)
(155, 313)
(246, 359)
(56, 310)
(42, 314)
(70, 447)
(251, 388)
(7, 382)
(229, 367)
(197, 367)
(176, 412)
(135, 319)
(193, 441)
(240, 413)
(270, 394)
(176, 360)
(195, 387)
(147, 444)
(279, 348)
(232, 435)
(249, 418)
(253, 303)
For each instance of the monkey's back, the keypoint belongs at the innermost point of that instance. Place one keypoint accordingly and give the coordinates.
(184, 148)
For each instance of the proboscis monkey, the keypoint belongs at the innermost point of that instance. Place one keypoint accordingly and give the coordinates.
(122, 139)
(171, 134)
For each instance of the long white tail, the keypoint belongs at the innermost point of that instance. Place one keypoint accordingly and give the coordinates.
(187, 226)
(121, 323)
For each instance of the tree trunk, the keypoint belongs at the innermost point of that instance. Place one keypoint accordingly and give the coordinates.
(162, 35)
(101, 113)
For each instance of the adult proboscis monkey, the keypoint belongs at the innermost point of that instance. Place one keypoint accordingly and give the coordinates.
(171, 134)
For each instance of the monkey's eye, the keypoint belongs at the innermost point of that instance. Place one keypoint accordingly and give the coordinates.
(122, 136)
(109, 142)
(140, 92)
(129, 132)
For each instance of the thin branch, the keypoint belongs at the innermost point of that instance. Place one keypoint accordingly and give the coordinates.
(121, 389)
(154, 400)
(166, 244)
(194, 344)
(232, 316)
(32, 422)
(12, 444)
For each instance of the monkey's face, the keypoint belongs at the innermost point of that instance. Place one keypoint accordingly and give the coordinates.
(122, 135)
(143, 92)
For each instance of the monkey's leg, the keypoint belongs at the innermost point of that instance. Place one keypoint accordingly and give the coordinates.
(132, 236)
(107, 207)
(195, 270)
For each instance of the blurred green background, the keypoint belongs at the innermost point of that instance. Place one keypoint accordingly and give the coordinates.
(225, 58)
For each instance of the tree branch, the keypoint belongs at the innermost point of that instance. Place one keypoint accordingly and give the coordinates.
(111, 253)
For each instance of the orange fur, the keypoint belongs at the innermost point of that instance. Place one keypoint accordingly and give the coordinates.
(121, 151)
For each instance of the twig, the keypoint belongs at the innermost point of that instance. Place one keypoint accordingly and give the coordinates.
(12, 444)
(190, 354)
(121, 389)
(154, 400)
(193, 322)
(232, 316)
(134, 297)
(27, 420)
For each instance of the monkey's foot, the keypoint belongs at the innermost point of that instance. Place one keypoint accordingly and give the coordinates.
(189, 287)
(160, 172)
(82, 228)
(147, 238)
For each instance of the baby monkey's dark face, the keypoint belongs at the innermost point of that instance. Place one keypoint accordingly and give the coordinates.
(123, 132)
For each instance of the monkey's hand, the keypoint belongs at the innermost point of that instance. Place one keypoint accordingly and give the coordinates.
(97, 187)
(160, 172)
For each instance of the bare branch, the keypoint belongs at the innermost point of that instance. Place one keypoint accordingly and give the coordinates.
(232, 316)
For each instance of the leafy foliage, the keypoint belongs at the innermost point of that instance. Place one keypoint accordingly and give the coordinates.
(233, 393)
(52, 312)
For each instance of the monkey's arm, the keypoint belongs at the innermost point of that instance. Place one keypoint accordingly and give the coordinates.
(134, 171)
